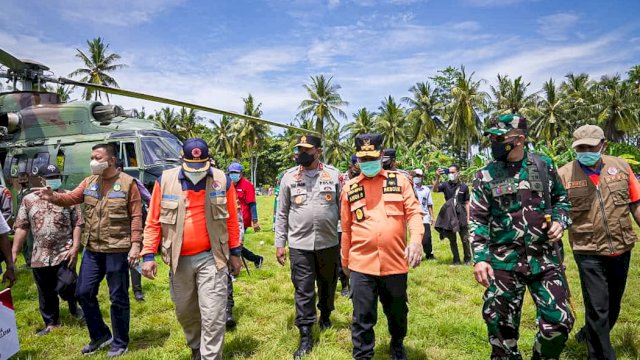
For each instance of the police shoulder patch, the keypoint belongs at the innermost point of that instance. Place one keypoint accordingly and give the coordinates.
(355, 193)
(359, 214)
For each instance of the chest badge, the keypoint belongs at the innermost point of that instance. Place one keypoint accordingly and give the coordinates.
(612, 170)
(359, 214)
(216, 185)
(325, 176)
(328, 197)
(298, 199)
(117, 187)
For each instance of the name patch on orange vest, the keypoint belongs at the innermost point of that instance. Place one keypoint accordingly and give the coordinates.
(576, 184)
(618, 177)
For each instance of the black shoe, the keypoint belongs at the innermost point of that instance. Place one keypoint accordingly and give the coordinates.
(231, 322)
(306, 343)
(581, 336)
(139, 296)
(324, 322)
(259, 262)
(195, 354)
(97, 345)
(46, 330)
(117, 352)
(77, 313)
(430, 257)
(345, 291)
(398, 352)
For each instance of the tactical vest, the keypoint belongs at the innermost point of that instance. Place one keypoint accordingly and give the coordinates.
(107, 222)
(172, 214)
(600, 215)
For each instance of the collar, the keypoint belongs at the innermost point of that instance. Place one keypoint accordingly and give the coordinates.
(589, 171)
(182, 177)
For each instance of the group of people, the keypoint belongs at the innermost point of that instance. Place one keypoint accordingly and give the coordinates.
(366, 227)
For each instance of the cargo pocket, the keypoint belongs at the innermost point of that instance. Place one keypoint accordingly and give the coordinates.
(168, 212)
(219, 207)
(393, 204)
(89, 207)
(628, 235)
(621, 197)
(581, 237)
(119, 221)
(298, 197)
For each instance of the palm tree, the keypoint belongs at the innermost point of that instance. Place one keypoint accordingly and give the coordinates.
(364, 123)
(510, 96)
(614, 105)
(464, 122)
(253, 133)
(391, 123)
(223, 136)
(550, 116)
(578, 89)
(324, 102)
(335, 150)
(424, 112)
(188, 123)
(166, 119)
(98, 64)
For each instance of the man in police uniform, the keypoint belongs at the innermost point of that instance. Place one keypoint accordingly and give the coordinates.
(377, 207)
(518, 208)
(112, 237)
(307, 217)
(604, 192)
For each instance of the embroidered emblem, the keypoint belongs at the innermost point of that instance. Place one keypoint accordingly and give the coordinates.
(216, 185)
(355, 194)
(576, 184)
(612, 170)
(359, 214)
(325, 176)
(196, 153)
(299, 199)
(328, 197)
(303, 139)
(391, 190)
(117, 187)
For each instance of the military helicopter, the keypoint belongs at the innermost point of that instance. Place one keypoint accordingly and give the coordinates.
(37, 129)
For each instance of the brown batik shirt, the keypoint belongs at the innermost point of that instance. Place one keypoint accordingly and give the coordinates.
(51, 227)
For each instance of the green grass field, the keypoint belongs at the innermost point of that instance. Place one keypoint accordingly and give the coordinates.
(444, 315)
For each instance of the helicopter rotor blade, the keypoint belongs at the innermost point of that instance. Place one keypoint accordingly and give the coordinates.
(11, 61)
(159, 99)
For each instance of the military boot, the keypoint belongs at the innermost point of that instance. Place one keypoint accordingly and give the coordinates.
(397, 350)
(325, 321)
(306, 343)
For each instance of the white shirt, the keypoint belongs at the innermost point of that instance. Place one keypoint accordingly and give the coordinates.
(424, 198)
(4, 228)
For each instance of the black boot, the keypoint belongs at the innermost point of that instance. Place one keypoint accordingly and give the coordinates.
(397, 350)
(195, 354)
(306, 343)
(231, 322)
(325, 321)
(345, 288)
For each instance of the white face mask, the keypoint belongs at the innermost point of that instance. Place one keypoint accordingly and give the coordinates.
(195, 177)
(98, 167)
(453, 177)
(417, 180)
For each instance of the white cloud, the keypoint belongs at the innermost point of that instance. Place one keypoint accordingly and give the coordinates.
(114, 12)
(557, 26)
(333, 3)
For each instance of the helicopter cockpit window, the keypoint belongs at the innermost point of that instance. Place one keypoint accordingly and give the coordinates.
(130, 159)
(40, 160)
(158, 150)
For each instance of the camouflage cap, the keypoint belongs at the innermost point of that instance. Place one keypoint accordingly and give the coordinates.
(505, 123)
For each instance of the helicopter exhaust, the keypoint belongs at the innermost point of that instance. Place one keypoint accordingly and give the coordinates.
(11, 122)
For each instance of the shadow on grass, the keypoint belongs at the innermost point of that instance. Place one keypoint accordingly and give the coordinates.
(148, 338)
(241, 347)
(383, 351)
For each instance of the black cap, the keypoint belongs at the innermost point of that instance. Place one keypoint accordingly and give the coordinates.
(368, 145)
(389, 154)
(195, 155)
(49, 171)
(309, 141)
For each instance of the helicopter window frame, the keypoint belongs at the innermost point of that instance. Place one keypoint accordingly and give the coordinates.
(128, 153)
(150, 157)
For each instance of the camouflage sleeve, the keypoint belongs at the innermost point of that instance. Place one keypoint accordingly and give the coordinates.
(480, 218)
(559, 197)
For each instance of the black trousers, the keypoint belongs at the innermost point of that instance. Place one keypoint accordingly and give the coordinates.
(247, 254)
(46, 279)
(309, 267)
(427, 246)
(466, 247)
(136, 280)
(603, 279)
(230, 302)
(344, 280)
(365, 289)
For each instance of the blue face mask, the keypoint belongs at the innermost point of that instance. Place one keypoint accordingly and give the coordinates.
(417, 180)
(235, 177)
(588, 158)
(371, 168)
(54, 183)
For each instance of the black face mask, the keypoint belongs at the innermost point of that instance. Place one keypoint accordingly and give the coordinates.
(387, 165)
(305, 159)
(500, 151)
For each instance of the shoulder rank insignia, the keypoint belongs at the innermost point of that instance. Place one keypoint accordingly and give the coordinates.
(359, 214)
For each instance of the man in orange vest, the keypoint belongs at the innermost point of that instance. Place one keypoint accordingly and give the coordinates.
(603, 192)
(193, 216)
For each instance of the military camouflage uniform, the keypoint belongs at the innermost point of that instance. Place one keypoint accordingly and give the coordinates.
(507, 213)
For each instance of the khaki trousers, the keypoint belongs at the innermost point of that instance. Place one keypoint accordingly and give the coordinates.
(199, 292)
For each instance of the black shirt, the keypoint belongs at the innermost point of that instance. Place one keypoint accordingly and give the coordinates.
(449, 190)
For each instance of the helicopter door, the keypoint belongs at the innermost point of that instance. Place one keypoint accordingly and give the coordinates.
(127, 155)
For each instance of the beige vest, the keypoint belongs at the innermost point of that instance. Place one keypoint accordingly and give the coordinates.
(107, 222)
(172, 213)
(600, 215)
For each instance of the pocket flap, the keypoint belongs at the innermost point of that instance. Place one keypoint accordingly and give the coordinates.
(169, 205)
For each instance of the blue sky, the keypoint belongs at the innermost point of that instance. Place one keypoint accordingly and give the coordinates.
(216, 52)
